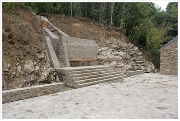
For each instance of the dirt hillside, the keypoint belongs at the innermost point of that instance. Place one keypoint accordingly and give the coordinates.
(103, 35)
(21, 41)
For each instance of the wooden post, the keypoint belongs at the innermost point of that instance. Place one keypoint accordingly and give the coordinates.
(45, 24)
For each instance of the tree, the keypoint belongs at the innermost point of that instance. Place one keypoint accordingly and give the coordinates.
(170, 4)
(112, 11)
(71, 8)
(47, 7)
(93, 10)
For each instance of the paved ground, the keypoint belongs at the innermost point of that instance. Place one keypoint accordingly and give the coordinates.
(140, 96)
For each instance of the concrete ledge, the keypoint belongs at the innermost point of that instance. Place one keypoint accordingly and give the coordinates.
(132, 73)
(30, 92)
(52, 56)
(63, 52)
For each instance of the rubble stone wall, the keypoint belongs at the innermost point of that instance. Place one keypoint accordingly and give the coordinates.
(30, 92)
(169, 59)
(126, 57)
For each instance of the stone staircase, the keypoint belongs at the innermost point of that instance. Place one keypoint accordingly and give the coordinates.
(62, 64)
(90, 75)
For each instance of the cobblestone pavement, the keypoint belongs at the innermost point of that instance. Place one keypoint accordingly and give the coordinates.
(138, 97)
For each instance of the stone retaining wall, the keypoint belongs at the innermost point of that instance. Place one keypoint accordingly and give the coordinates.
(30, 92)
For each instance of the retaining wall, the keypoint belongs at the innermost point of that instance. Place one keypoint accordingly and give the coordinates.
(52, 56)
(80, 49)
(30, 92)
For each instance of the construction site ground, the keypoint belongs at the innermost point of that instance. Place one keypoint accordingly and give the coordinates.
(143, 96)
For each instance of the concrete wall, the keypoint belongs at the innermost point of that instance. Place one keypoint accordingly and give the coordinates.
(169, 59)
(80, 49)
(54, 40)
(52, 56)
(63, 53)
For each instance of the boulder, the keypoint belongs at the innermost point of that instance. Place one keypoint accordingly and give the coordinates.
(19, 69)
(106, 63)
(44, 75)
(36, 70)
(40, 56)
(28, 67)
(101, 57)
(113, 63)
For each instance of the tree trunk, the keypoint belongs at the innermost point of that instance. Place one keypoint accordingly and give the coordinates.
(38, 7)
(85, 9)
(71, 8)
(112, 11)
(47, 7)
(93, 11)
(100, 12)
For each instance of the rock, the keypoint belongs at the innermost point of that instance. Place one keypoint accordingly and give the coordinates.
(30, 79)
(104, 48)
(107, 63)
(148, 70)
(104, 53)
(135, 48)
(36, 70)
(19, 69)
(154, 115)
(35, 63)
(125, 55)
(143, 68)
(28, 67)
(45, 74)
(33, 78)
(57, 78)
(114, 46)
(40, 56)
(120, 65)
(113, 63)
(110, 59)
(8, 65)
(101, 57)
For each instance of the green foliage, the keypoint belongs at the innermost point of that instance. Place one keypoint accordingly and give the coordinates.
(9, 5)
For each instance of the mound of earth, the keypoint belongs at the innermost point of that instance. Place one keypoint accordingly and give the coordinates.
(21, 42)
(103, 35)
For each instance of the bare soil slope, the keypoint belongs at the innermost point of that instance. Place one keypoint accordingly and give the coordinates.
(103, 35)
(21, 40)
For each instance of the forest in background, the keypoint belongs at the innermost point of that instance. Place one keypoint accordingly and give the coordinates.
(146, 25)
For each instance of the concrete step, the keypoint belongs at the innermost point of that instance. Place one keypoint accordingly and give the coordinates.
(96, 75)
(96, 68)
(98, 78)
(92, 70)
(100, 72)
(99, 81)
